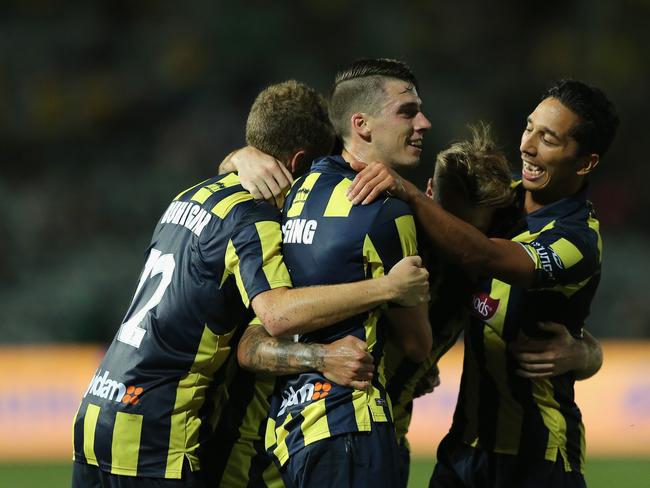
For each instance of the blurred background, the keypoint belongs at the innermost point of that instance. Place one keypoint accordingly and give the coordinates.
(109, 108)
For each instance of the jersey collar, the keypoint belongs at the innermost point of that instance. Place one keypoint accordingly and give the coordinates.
(333, 164)
(556, 210)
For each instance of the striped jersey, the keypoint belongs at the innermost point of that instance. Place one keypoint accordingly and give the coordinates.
(498, 410)
(149, 405)
(328, 241)
(450, 289)
(447, 315)
(237, 456)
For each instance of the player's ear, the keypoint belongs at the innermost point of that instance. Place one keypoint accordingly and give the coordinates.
(429, 190)
(587, 164)
(359, 123)
(297, 162)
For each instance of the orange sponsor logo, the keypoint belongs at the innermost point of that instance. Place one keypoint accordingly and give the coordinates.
(321, 390)
(132, 394)
(306, 393)
(101, 386)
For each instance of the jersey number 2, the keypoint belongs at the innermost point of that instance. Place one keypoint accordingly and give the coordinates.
(158, 263)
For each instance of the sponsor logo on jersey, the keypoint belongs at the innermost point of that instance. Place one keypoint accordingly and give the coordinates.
(299, 231)
(484, 306)
(306, 393)
(301, 195)
(101, 386)
(547, 256)
(187, 214)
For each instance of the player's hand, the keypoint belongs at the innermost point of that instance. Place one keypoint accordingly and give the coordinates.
(410, 281)
(347, 362)
(544, 357)
(262, 175)
(429, 382)
(372, 180)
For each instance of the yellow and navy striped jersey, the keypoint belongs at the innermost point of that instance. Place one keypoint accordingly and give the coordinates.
(450, 289)
(236, 456)
(147, 408)
(448, 315)
(328, 241)
(498, 410)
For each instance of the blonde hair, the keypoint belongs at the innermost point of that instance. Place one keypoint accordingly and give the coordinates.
(475, 169)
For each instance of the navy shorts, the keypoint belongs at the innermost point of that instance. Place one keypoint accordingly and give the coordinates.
(463, 466)
(89, 476)
(347, 461)
(404, 463)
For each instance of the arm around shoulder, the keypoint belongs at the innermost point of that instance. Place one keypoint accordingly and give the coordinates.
(285, 311)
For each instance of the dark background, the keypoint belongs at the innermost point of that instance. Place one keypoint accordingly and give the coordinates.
(109, 108)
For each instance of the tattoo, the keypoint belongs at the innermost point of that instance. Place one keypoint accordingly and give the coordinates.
(261, 353)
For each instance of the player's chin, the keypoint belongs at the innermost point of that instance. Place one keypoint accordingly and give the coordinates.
(535, 185)
(409, 161)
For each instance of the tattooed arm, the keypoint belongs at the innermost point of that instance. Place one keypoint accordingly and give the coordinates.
(346, 361)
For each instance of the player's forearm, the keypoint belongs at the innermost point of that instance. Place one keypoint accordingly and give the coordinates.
(260, 353)
(593, 358)
(467, 246)
(303, 310)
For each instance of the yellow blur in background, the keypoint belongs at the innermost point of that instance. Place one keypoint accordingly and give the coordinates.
(41, 386)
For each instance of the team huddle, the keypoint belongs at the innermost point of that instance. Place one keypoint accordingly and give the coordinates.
(292, 307)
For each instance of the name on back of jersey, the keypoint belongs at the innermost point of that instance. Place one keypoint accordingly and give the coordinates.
(299, 231)
(187, 214)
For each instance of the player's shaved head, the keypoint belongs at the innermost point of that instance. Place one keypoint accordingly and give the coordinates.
(360, 88)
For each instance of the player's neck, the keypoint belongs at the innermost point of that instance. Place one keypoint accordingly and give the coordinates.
(352, 155)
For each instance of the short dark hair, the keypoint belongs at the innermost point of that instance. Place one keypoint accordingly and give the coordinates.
(360, 86)
(598, 120)
(289, 116)
(475, 169)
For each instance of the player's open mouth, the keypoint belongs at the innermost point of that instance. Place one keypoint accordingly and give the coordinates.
(416, 144)
(531, 172)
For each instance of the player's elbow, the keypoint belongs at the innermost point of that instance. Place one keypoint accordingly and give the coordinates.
(274, 326)
(244, 357)
(279, 325)
(271, 310)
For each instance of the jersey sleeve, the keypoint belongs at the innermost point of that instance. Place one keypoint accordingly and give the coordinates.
(254, 256)
(391, 237)
(564, 256)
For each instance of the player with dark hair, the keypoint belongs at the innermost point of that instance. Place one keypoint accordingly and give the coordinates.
(316, 424)
(472, 181)
(215, 251)
(509, 430)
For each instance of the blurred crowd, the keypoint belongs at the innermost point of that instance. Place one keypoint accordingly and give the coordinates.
(109, 108)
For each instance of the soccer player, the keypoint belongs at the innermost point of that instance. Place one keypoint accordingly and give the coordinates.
(322, 433)
(214, 252)
(509, 430)
(472, 181)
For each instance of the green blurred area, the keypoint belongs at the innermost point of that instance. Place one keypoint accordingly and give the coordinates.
(601, 473)
(109, 108)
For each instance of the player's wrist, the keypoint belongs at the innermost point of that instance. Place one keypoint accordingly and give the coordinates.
(386, 288)
(410, 191)
(319, 354)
